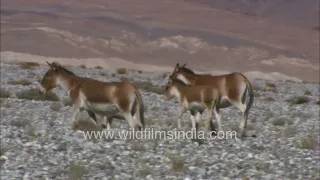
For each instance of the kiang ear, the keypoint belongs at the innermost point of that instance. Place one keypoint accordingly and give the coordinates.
(55, 64)
(176, 67)
(184, 65)
(52, 66)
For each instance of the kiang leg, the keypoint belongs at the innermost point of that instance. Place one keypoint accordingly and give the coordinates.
(198, 117)
(209, 119)
(182, 111)
(92, 116)
(243, 123)
(193, 113)
(108, 121)
(75, 111)
(218, 117)
(209, 126)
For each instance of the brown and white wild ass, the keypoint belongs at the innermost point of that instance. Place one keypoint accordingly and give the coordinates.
(95, 96)
(232, 88)
(194, 97)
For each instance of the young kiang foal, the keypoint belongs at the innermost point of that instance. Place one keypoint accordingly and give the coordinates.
(232, 88)
(95, 96)
(191, 98)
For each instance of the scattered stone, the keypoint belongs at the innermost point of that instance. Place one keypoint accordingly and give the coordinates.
(37, 140)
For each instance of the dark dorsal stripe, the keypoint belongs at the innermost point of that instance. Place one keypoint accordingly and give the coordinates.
(61, 68)
(186, 70)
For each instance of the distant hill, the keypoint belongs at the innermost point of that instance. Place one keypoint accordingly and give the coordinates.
(228, 35)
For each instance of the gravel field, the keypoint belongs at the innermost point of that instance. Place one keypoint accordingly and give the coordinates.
(37, 141)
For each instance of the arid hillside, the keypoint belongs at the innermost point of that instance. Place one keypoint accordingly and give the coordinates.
(210, 36)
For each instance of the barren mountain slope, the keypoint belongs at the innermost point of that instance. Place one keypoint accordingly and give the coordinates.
(207, 37)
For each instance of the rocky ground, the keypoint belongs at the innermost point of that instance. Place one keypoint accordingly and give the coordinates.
(37, 141)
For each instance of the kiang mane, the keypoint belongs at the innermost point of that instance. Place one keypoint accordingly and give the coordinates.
(186, 70)
(61, 68)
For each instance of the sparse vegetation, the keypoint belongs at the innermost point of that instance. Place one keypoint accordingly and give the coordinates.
(20, 82)
(268, 115)
(125, 79)
(113, 75)
(270, 85)
(145, 171)
(67, 102)
(256, 88)
(21, 123)
(177, 161)
(5, 104)
(55, 106)
(140, 72)
(29, 65)
(298, 100)
(256, 94)
(235, 127)
(290, 131)
(77, 170)
(138, 146)
(31, 74)
(3, 150)
(270, 99)
(307, 93)
(264, 166)
(103, 74)
(98, 67)
(317, 102)
(4, 93)
(148, 121)
(290, 81)
(258, 147)
(33, 94)
(83, 66)
(250, 127)
(279, 121)
(306, 142)
(122, 71)
(31, 131)
(86, 125)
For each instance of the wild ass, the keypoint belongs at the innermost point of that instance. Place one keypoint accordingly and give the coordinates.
(194, 97)
(232, 88)
(95, 96)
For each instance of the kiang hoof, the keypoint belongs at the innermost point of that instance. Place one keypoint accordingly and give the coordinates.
(253, 135)
(103, 126)
(213, 133)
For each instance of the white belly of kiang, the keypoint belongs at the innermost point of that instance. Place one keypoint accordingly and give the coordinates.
(196, 105)
(100, 108)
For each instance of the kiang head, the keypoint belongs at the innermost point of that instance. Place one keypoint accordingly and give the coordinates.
(49, 80)
(172, 88)
(176, 71)
(168, 91)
